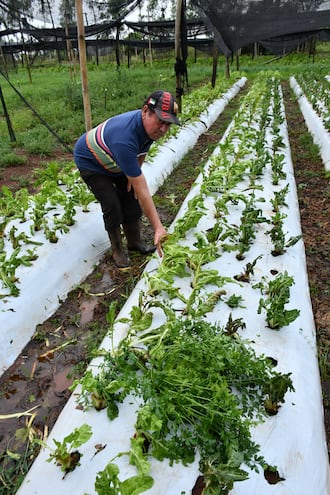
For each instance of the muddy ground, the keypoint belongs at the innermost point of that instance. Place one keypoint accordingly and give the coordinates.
(63, 345)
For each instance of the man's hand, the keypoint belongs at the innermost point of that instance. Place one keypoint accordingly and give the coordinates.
(142, 193)
(160, 237)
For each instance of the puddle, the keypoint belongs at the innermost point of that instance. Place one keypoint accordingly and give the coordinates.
(87, 306)
(107, 280)
(15, 383)
(9, 393)
(87, 311)
(16, 378)
(61, 380)
(39, 377)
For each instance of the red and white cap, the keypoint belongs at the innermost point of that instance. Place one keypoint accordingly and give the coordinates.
(164, 105)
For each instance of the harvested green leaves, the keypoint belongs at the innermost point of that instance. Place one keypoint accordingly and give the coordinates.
(200, 390)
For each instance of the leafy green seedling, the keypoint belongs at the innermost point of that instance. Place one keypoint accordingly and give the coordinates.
(278, 292)
(278, 236)
(275, 391)
(232, 326)
(248, 270)
(234, 301)
(64, 455)
(108, 482)
(99, 392)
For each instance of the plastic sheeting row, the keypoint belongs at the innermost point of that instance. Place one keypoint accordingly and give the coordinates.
(293, 440)
(321, 136)
(60, 267)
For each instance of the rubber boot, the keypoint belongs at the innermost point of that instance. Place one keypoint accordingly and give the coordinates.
(119, 256)
(133, 236)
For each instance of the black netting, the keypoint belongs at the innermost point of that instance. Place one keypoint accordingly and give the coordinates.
(165, 29)
(237, 23)
(278, 25)
(284, 44)
(160, 32)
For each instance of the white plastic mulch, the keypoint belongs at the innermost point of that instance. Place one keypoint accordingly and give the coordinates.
(61, 266)
(293, 440)
(321, 136)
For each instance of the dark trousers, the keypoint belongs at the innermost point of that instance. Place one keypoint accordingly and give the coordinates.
(118, 205)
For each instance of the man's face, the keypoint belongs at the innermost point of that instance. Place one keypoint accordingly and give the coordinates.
(154, 127)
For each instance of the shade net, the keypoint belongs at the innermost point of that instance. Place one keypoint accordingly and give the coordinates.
(277, 25)
(237, 23)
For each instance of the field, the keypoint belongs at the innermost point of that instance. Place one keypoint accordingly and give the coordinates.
(43, 377)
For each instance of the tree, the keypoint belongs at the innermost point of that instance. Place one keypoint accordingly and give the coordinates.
(113, 9)
(46, 11)
(67, 13)
(12, 12)
(162, 9)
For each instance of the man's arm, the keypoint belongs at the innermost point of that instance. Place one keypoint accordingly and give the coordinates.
(141, 159)
(143, 195)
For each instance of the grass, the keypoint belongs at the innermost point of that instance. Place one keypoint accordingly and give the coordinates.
(22, 181)
(11, 159)
(324, 356)
(19, 456)
(54, 97)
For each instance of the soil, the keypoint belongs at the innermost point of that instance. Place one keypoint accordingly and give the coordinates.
(63, 345)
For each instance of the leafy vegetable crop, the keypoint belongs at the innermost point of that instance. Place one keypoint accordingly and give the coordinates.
(64, 455)
(198, 386)
(278, 295)
(52, 209)
(200, 390)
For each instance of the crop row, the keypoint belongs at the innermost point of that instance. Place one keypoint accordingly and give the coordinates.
(316, 88)
(184, 358)
(27, 221)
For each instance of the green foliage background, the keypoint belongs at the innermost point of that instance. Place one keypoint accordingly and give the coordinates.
(55, 94)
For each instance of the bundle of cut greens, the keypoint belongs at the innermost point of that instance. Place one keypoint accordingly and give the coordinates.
(200, 390)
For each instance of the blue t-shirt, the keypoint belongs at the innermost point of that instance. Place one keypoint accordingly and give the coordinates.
(124, 139)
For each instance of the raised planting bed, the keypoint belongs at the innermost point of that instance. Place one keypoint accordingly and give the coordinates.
(208, 380)
(48, 270)
(318, 126)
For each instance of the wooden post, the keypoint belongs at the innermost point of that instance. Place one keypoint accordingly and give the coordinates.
(215, 63)
(179, 78)
(68, 46)
(227, 67)
(83, 64)
(150, 48)
(255, 49)
(4, 60)
(237, 54)
(117, 46)
(128, 52)
(26, 56)
(53, 26)
(9, 126)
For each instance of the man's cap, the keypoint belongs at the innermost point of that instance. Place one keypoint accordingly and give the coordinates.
(164, 105)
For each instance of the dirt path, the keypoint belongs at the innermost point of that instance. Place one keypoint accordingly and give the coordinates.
(314, 203)
(63, 345)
